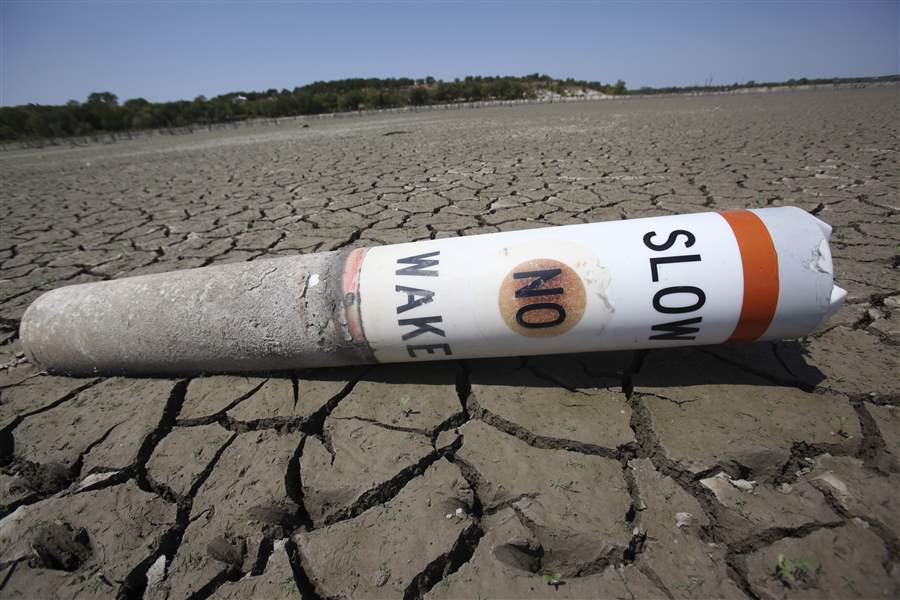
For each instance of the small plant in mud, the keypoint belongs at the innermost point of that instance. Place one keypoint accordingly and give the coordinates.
(288, 583)
(842, 427)
(793, 573)
(555, 579)
(565, 486)
(404, 406)
(98, 584)
(850, 584)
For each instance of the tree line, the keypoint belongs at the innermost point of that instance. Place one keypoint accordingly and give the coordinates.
(102, 112)
(803, 81)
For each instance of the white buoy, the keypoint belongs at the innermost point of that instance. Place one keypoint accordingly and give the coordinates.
(705, 278)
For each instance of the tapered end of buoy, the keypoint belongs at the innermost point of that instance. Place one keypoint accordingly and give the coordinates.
(825, 227)
(838, 295)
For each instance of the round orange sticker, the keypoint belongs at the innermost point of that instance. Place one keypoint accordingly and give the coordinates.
(542, 297)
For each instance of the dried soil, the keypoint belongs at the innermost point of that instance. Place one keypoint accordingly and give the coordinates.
(764, 470)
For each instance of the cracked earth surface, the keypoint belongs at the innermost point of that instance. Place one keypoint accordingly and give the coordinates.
(764, 470)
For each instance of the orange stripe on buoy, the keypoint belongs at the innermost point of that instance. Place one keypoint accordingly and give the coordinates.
(760, 262)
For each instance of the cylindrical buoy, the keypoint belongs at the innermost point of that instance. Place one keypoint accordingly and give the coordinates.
(692, 279)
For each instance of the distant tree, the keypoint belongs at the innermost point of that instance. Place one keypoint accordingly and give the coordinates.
(134, 103)
(618, 87)
(38, 125)
(418, 96)
(102, 111)
(371, 99)
(351, 100)
(328, 101)
(103, 98)
(470, 90)
(443, 92)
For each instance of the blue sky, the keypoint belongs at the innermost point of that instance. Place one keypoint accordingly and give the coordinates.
(54, 51)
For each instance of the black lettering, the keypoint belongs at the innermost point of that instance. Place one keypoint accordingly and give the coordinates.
(678, 289)
(560, 315)
(662, 260)
(676, 330)
(540, 278)
(421, 325)
(418, 263)
(430, 348)
(414, 297)
(673, 236)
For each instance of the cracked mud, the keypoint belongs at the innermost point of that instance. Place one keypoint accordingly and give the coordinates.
(764, 470)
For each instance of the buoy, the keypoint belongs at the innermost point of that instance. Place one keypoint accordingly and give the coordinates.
(706, 278)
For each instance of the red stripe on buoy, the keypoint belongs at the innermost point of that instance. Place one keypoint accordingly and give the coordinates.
(760, 263)
(350, 293)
